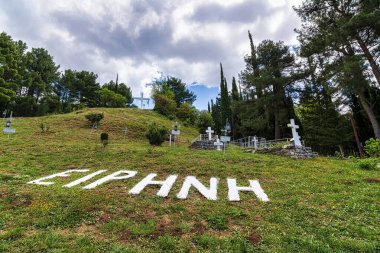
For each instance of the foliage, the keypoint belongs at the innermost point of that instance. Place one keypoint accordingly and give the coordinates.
(372, 147)
(267, 81)
(164, 105)
(95, 117)
(44, 127)
(204, 120)
(225, 103)
(109, 98)
(187, 113)
(369, 164)
(104, 139)
(156, 134)
(121, 89)
(174, 88)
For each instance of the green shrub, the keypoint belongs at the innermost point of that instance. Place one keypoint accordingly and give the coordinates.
(95, 118)
(369, 164)
(156, 134)
(372, 147)
(44, 127)
(104, 139)
(165, 105)
(204, 120)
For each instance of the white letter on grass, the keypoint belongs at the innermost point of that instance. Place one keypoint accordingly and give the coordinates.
(113, 176)
(192, 181)
(148, 180)
(83, 179)
(61, 174)
(254, 186)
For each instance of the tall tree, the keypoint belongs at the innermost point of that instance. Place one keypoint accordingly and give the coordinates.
(224, 98)
(174, 88)
(338, 25)
(9, 74)
(268, 88)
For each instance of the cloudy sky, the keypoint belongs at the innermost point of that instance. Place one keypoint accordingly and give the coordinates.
(139, 40)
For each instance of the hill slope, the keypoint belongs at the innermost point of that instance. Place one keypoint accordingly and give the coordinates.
(319, 205)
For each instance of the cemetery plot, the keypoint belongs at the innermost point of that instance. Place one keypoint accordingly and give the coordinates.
(317, 204)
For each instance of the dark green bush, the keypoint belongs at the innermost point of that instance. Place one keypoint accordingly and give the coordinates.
(95, 118)
(156, 134)
(369, 164)
(104, 139)
(372, 147)
(165, 105)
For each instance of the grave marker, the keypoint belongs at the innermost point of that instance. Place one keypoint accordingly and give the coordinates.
(142, 100)
(209, 131)
(296, 138)
(218, 144)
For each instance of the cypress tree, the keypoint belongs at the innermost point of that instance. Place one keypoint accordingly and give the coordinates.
(234, 93)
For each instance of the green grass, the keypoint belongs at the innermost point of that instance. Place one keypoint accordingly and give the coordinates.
(317, 205)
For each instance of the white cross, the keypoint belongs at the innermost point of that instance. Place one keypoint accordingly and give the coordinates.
(218, 144)
(296, 138)
(141, 99)
(209, 131)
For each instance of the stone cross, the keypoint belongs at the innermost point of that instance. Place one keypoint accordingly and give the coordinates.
(209, 131)
(296, 138)
(218, 144)
(141, 99)
(255, 142)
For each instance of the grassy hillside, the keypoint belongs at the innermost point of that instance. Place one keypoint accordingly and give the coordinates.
(318, 205)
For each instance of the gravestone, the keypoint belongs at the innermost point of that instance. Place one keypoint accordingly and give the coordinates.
(175, 131)
(218, 144)
(296, 138)
(209, 132)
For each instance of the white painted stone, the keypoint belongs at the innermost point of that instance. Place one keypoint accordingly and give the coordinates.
(83, 179)
(296, 138)
(148, 180)
(210, 193)
(61, 174)
(218, 144)
(113, 176)
(254, 186)
(209, 131)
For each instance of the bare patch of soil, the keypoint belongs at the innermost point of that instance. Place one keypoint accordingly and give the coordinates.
(372, 180)
(254, 238)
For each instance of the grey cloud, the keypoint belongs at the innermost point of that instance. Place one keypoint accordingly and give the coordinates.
(153, 41)
(248, 11)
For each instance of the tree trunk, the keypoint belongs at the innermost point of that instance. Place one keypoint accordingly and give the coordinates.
(277, 132)
(371, 115)
(372, 62)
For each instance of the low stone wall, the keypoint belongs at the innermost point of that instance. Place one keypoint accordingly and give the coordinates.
(288, 150)
(206, 145)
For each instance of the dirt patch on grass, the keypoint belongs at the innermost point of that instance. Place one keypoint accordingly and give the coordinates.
(105, 217)
(254, 238)
(372, 180)
(125, 235)
(162, 226)
(200, 228)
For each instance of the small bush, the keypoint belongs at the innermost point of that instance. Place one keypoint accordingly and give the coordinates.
(369, 164)
(104, 139)
(156, 134)
(95, 118)
(372, 147)
(44, 127)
